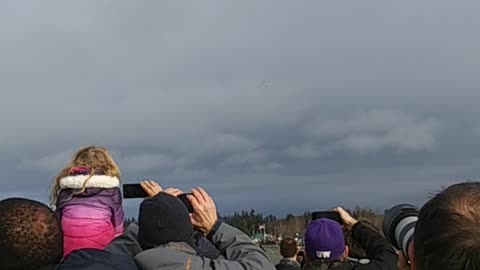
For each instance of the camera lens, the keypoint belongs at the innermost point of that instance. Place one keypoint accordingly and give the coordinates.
(399, 225)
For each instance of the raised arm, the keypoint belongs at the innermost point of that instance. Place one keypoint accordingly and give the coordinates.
(379, 251)
(238, 249)
(118, 215)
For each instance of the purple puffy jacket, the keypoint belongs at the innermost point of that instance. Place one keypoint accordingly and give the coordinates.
(93, 218)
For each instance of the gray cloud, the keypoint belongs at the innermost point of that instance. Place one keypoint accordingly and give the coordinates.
(374, 130)
(304, 151)
(269, 105)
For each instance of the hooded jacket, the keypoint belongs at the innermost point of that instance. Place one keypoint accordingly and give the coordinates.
(238, 250)
(92, 218)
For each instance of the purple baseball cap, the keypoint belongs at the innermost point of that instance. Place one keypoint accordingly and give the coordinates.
(324, 240)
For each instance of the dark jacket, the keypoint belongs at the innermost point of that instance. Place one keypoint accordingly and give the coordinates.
(286, 264)
(93, 259)
(204, 247)
(380, 253)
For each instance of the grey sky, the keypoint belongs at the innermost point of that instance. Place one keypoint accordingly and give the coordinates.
(274, 105)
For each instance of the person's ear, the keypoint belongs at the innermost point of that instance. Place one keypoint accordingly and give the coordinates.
(411, 256)
(347, 250)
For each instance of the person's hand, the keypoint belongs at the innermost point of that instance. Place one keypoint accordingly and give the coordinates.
(348, 221)
(152, 188)
(204, 214)
(173, 191)
(402, 262)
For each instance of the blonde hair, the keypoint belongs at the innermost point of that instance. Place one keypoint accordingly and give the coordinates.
(96, 157)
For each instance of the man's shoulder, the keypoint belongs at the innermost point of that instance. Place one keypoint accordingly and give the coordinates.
(96, 259)
(172, 255)
(287, 265)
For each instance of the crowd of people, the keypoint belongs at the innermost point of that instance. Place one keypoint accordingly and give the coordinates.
(83, 229)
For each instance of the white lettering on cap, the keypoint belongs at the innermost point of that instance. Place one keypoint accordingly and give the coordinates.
(323, 254)
(364, 261)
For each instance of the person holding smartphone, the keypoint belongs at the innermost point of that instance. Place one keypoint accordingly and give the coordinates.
(325, 245)
(163, 237)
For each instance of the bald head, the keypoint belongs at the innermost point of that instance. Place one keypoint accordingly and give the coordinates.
(30, 235)
(451, 219)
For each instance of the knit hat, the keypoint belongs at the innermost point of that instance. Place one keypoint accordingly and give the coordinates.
(324, 240)
(163, 219)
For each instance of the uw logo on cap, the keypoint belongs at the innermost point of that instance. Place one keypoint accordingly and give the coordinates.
(323, 254)
(364, 261)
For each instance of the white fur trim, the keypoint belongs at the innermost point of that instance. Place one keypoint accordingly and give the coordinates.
(97, 181)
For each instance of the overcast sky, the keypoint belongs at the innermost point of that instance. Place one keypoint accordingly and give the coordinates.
(282, 106)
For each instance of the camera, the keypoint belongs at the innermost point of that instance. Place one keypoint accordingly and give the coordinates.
(399, 226)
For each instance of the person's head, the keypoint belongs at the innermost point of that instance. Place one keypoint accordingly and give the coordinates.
(355, 249)
(288, 247)
(163, 219)
(97, 158)
(31, 235)
(447, 232)
(324, 241)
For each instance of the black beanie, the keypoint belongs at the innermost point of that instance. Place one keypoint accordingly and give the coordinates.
(163, 219)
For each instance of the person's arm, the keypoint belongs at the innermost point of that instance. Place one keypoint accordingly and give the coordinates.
(240, 253)
(62, 200)
(127, 243)
(118, 215)
(204, 247)
(237, 248)
(380, 253)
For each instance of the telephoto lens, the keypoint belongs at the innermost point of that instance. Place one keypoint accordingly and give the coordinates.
(399, 225)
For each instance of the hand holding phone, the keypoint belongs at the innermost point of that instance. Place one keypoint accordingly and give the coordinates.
(144, 189)
(347, 220)
(327, 214)
(204, 216)
(136, 191)
(133, 191)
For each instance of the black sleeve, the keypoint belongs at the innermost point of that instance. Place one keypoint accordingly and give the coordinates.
(379, 251)
(214, 229)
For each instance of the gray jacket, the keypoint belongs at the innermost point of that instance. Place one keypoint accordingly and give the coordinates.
(239, 252)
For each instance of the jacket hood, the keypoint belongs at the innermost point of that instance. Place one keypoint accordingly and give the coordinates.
(95, 181)
(172, 256)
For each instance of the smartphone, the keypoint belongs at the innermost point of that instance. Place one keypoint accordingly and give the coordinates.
(186, 202)
(327, 214)
(133, 191)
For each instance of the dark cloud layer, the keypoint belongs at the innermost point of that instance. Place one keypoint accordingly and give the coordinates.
(276, 106)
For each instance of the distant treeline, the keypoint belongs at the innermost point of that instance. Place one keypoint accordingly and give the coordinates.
(251, 221)
(290, 225)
